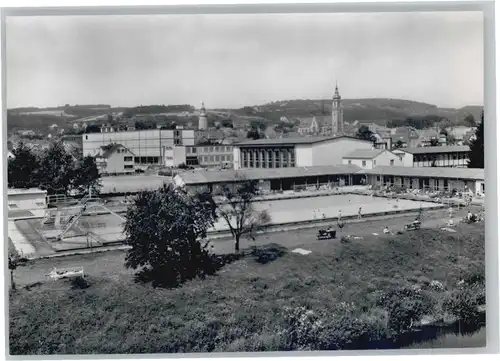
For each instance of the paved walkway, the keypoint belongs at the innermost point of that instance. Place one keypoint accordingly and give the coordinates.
(21, 244)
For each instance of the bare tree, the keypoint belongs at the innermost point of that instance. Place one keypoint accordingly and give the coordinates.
(238, 211)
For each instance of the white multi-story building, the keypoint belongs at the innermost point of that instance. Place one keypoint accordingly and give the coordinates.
(295, 152)
(149, 147)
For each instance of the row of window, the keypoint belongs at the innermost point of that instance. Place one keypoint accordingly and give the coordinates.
(209, 149)
(363, 163)
(453, 156)
(147, 160)
(269, 164)
(216, 158)
(268, 158)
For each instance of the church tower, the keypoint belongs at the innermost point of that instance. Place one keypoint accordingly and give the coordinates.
(202, 120)
(337, 114)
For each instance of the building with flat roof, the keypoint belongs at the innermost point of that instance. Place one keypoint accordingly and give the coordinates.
(295, 152)
(324, 177)
(369, 158)
(273, 179)
(150, 147)
(446, 156)
(434, 178)
(26, 199)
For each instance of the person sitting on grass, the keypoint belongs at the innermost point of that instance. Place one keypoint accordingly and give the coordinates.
(386, 230)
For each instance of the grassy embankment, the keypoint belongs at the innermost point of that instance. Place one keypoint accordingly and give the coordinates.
(249, 306)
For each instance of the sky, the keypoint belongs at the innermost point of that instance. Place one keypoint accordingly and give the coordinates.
(233, 60)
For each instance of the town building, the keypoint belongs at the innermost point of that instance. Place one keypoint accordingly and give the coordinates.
(115, 159)
(150, 147)
(459, 132)
(295, 152)
(324, 177)
(210, 155)
(26, 199)
(325, 125)
(431, 137)
(370, 158)
(405, 137)
(300, 178)
(433, 179)
(446, 156)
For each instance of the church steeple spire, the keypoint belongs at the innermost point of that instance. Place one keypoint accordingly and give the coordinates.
(337, 113)
(336, 95)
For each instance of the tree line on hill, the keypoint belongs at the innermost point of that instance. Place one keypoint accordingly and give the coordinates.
(155, 109)
(55, 170)
(429, 121)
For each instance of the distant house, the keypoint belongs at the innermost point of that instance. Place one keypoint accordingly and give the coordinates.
(430, 136)
(115, 159)
(369, 158)
(469, 137)
(406, 136)
(459, 132)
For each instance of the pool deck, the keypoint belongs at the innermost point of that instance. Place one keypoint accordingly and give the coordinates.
(291, 212)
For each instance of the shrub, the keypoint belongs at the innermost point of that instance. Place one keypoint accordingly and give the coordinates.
(405, 307)
(268, 253)
(302, 328)
(345, 239)
(463, 303)
(79, 283)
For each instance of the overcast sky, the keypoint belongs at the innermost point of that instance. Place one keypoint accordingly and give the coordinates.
(235, 60)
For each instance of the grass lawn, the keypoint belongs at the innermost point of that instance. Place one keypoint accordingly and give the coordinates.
(243, 307)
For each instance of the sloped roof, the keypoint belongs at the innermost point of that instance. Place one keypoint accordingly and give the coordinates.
(108, 152)
(206, 177)
(364, 153)
(445, 149)
(322, 120)
(293, 141)
(431, 172)
(429, 133)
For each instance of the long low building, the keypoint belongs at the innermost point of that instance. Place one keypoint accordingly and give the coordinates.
(434, 178)
(284, 179)
(446, 156)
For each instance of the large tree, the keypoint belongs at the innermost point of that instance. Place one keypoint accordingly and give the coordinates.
(24, 169)
(254, 134)
(365, 133)
(476, 153)
(57, 170)
(237, 210)
(166, 229)
(469, 120)
(86, 177)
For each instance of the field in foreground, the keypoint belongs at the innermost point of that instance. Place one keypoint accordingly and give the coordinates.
(248, 306)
